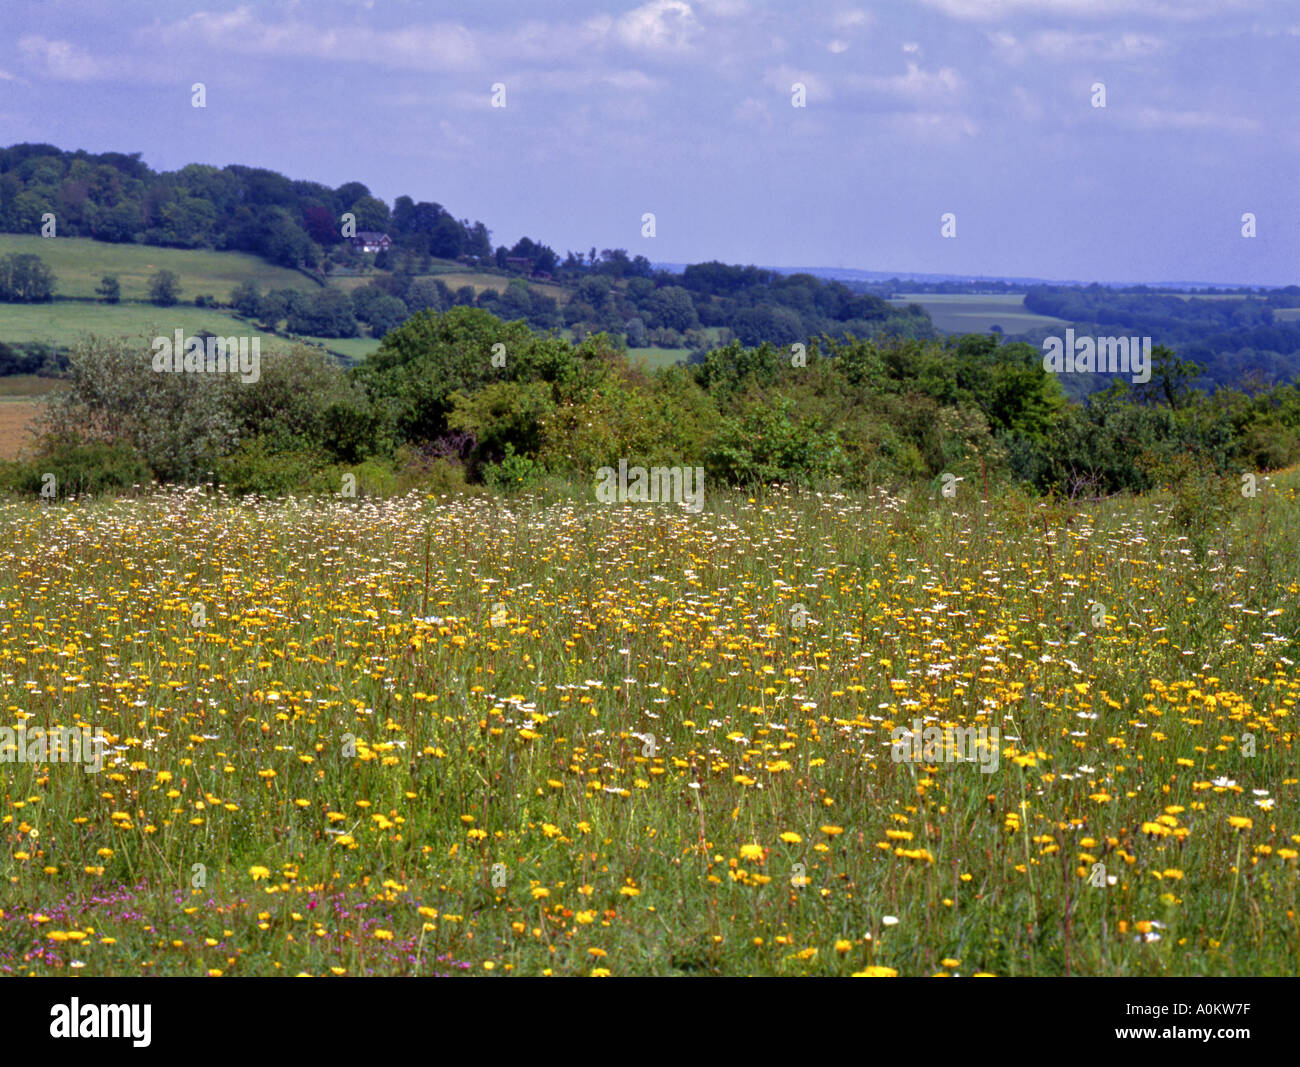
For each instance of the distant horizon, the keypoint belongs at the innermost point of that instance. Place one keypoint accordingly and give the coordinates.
(1065, 138)
(830, 272)
(823, 271)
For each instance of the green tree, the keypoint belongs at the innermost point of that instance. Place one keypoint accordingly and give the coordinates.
(164, 288)
(109, 289)
(245, 298)
(1171, 379)
(25, 279)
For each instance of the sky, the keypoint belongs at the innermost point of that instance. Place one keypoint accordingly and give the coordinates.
(685, 109)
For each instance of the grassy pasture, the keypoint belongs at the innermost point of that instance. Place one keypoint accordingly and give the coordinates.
(79, 263)
(498, 282)
(976, 312)
(653, 358)
(63, 322)
(440, 735)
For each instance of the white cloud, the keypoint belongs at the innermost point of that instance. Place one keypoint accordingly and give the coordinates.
(783, 78)
(934, 126)
(724, 9)
(1151, 118)
(659, 26)
(836, 47)
(1058, 44)
(848, 19)
(988, 10)
(916, 85)
(64, 60)
(429, 47)
(753, 110)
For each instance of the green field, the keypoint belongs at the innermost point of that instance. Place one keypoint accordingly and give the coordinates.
(654, 358)
(354, 348)
(977, 312)
(79, 263)
(633, 740)
(64, 322)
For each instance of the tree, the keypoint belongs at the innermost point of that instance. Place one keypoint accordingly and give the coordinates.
(635, 333)
(371, 213)
(109, 289)
(386, 313)
(164, 288)
(245, 299)
(428, 294)
(1171, 379)
(25, 279)
(322, 227)
(271, 308)
(287, 243)
(672, 307)
(326, 313)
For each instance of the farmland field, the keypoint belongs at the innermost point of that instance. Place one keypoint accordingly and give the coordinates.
(16, 415)
(64, 322)
(479, 281)
(537, 735)
(653, 358)
(977, 312)
(79, 263)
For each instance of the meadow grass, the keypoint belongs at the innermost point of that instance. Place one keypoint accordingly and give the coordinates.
(63, 323)
(977, 312)
(539, 735)
(79, 263)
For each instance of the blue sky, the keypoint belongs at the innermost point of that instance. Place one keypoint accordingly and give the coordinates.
(683, 108)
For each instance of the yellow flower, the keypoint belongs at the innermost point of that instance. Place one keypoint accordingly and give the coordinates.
(751, 852)
(831, 831)
(842, 946)
(383, 935)
(258, 873)
(1240, 822)
(876, 972)
(791, 838)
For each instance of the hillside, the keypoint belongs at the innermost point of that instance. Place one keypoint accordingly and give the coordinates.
(81, 262)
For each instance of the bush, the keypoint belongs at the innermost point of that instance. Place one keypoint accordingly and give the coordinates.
(255, 467)
(165, 288)
(79, 468)
(374, 478)
(419, 468)
(513, 473)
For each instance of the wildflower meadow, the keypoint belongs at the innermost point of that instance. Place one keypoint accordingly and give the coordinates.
(540, 734)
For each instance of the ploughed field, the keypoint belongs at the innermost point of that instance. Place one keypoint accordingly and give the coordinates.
(542, 735)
